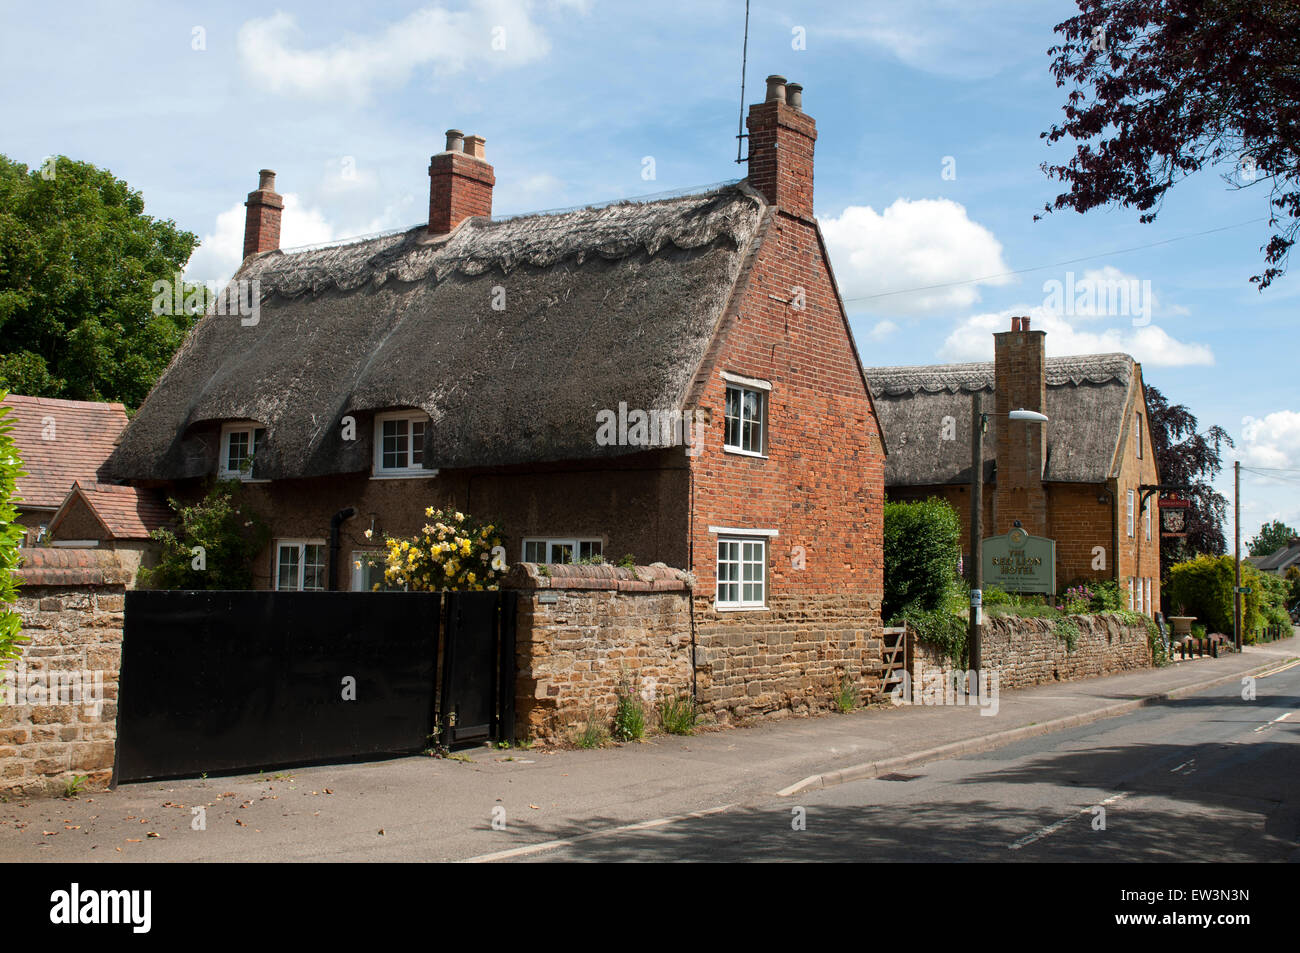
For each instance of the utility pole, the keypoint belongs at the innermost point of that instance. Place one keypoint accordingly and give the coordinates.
(976, 573)
(1236, 519)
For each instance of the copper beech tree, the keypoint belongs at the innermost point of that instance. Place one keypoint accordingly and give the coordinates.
(1160, 89)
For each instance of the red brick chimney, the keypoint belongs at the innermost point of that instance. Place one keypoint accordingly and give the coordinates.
(460, 183)
(781, 137)
(1020, 383)
(262, 224)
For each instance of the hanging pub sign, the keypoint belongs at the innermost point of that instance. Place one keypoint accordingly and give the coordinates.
(1018, 562)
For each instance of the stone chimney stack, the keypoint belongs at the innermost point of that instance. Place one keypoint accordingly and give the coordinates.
(1020, 383)
(262, 223)
(460, 183)
(781, 137)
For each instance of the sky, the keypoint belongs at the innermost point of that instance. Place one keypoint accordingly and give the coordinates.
(927, 179)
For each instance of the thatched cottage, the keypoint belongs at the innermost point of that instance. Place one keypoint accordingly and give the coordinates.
(1078, 479)
(508, 368)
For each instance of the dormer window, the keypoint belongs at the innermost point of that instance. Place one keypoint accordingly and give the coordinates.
(239, 443)
(399, 444)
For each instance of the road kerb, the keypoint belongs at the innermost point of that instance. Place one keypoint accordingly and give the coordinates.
(872, 769)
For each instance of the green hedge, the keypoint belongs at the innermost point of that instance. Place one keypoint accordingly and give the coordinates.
(1202, 587)
(921, 549)
(11, 538)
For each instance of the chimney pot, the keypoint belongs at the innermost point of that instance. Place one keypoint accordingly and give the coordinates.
(794, 96)
(266, 180)
(1024, 323)
(782, 138)
(455, 141)
(1015, 322)
(776, 88)
(474, 147)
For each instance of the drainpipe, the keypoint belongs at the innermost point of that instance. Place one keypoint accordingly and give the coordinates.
(337, 520)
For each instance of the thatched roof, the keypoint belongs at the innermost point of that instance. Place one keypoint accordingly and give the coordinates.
(602, 305)
(1087, 398)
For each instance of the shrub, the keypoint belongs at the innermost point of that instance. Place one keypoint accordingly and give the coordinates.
(1068, 630)
(1107, 596)
(592, 733)
(940, 627)
(452, 551)
(1076, 600)
(11, 538)
(1203, 586)
(228, 533)
(921, 549)
(678, 715)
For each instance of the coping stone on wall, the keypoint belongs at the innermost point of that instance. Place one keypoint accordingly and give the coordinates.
(654, 578)
(58, 566)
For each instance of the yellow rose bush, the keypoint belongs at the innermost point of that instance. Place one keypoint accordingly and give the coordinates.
(452, 551)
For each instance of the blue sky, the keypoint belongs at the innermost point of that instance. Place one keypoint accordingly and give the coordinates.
(928, 156)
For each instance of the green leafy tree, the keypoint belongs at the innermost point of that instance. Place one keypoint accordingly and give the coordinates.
(1203, 587)
(1272, 537)
(78, 263)
(921, 548)
(213, 546)
(11, 538)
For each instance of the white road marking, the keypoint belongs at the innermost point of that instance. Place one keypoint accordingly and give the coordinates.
(1289, 665)
(569, 841)
(1051, 829)
(1276, 720)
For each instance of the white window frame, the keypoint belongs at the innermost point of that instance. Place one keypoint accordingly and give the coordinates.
(1151, 609)
(574, 542)
(1146, 519)
(741, 537)
(355, 580)
(249, 427)
(378, 470)
(1140, 584)
(302, 545)
(1132, 581)
(1137, 417)
(1132, 530)
(764, 391)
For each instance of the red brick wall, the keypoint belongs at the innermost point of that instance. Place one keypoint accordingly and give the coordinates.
(1021, 384)
(781, 142)
(262, 222)
(821, 486)
(1138, 557)
(635, 505)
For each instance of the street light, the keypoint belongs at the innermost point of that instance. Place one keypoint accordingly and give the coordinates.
(979, 423)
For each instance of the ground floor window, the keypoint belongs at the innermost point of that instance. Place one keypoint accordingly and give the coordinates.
(300, 565)
(742, 572)
(558, 550)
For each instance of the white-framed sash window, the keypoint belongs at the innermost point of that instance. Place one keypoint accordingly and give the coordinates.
(300, 565)
(399, 444)
(539, 549)
(745, 419)
(741, 568)
(239, 443)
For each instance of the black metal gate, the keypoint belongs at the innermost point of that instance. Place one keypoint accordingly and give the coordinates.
(227, 681)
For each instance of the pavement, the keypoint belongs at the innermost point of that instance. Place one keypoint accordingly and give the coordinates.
(1050, 753)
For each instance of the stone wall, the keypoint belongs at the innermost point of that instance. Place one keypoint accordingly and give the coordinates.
(789, 660)
(51, 728)
(584, 629)
(1029, 652)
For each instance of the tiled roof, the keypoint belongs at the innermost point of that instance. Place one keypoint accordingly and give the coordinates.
(61, 442)
(127, 512)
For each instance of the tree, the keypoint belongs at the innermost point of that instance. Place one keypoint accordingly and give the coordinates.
(1165, 88)
(1186, 457)
(1272, 537)
(11, 538)
(78, 260)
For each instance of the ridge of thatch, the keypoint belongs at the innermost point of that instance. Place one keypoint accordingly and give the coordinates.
(510, 335)
(926, 415)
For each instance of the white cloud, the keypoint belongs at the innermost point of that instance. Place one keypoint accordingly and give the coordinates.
(489, 33)
(912, 244)
(1151, 345)
(882, 330)
(221, 252)
(1271, 441)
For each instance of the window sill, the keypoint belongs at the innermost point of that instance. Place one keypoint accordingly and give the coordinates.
(405, 475)
(744, 453)
(718, 608)
(241, 479)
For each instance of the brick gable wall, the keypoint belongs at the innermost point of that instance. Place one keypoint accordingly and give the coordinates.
(821, 487)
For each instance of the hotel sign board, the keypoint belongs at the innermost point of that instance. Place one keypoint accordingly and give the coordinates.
(1018, 562)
